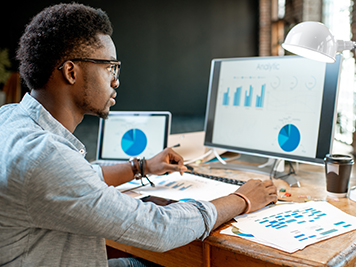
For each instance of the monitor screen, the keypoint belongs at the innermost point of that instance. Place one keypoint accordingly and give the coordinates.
(276, 107)
(126, 134)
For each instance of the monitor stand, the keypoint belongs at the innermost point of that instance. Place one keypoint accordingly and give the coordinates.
(269, 169)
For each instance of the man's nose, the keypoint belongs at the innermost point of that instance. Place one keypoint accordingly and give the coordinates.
(115, 83)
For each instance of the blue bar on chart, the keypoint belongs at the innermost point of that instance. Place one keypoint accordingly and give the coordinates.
(226, 97)
(260, 98)
(248, 98)
(237, 96)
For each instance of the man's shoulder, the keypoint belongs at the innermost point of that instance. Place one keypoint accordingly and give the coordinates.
(24, 141)
(6, 111)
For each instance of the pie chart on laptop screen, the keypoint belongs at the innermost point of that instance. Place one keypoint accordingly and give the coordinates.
(134, 142)
(289, 137)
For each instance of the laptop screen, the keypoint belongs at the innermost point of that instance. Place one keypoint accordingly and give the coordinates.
(132, 134)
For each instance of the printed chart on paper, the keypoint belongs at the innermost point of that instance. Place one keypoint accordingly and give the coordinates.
(291, 227)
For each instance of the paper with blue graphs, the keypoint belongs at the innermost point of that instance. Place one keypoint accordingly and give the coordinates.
(291, 227)
(182, 187)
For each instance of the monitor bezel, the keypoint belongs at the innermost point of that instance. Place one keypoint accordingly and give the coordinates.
(327, 116)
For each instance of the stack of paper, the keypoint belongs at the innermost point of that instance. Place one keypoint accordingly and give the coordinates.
(291, 227)
(182, 187)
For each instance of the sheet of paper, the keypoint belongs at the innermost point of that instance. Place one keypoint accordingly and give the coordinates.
(234, 231)
(183, 187)
(291, 227)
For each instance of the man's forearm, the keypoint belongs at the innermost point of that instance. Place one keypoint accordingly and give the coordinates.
(117, 174)
(228, 207)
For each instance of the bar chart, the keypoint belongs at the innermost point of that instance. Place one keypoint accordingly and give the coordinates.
(260, 98)
(237, 96)
(248, 97)
(226, 98)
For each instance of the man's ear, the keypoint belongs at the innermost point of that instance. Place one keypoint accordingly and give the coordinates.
(69, 72)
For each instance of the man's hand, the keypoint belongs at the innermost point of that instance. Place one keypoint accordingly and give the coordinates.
(167, 161)
(260, 193)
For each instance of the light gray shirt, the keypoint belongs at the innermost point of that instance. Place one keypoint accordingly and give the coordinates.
(56, 210)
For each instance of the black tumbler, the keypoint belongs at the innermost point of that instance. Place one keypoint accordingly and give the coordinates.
(338, 171)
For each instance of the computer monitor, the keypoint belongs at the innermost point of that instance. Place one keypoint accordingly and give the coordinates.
(274, 107)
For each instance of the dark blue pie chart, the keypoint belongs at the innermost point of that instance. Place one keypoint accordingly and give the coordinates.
(289, 137)
(134, 142)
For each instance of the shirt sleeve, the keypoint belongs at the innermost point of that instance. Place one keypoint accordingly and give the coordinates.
(65, 193)
(98, 170)
(205, 210)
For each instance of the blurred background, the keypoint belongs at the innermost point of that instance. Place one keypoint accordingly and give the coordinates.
(166, 48)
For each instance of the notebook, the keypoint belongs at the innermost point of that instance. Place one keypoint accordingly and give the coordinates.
(126, 134)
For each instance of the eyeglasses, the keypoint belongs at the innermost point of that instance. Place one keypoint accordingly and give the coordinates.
(114, 68)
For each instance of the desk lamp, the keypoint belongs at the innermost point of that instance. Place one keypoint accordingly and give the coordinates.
(313, 40)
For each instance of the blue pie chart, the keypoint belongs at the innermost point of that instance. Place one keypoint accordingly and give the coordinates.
(134, 142)
(289, 137)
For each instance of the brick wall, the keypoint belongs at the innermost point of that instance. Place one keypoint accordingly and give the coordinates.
(312, 10)
(270, 25)
(265, 28)
(293, 14)
(353, 21)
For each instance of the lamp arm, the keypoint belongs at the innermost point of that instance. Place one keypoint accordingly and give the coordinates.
(345, 45)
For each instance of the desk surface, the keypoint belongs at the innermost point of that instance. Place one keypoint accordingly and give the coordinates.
(223, 250)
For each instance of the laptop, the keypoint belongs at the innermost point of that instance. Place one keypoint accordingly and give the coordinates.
(126, 134)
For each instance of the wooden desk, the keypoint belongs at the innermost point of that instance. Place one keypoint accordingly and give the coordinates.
(223, 250)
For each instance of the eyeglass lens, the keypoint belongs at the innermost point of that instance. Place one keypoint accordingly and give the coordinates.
(115, 71)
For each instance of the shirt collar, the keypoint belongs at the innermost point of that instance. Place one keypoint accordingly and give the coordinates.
(47, 122)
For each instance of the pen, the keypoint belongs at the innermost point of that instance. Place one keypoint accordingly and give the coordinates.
(177, 145)
(130, 189)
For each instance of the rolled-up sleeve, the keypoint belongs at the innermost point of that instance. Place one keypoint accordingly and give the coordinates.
(206, 209)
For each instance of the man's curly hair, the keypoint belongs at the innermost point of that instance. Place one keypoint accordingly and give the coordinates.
(56, 34)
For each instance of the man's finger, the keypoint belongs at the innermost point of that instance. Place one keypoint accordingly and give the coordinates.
(176, 168)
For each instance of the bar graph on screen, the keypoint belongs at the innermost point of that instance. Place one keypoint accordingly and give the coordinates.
(248, 97)
(252, 97)
(260, 98)
(226, 98)
(237, 96)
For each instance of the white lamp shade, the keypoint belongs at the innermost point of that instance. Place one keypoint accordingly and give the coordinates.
(311, 40)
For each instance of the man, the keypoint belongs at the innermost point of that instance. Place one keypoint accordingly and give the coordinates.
(56, 208)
